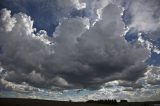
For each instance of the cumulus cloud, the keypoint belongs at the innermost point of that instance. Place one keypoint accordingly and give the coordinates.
(76, 57)
(87, 57)
(46, 14)
(142, 17)
(145, 17)
(7, 23)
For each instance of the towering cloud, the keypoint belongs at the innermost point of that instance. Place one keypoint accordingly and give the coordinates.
(76, 57)
(86, 55)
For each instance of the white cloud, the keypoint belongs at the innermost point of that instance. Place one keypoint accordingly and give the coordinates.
(143, 12)
(147, 44)
(24, 24)
(69, 4)
(1, 69)
(42, 36)
(144, 43)
(21, 88)
(156, 50)
(6, 21)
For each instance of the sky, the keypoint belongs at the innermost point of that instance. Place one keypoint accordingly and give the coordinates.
(80, 49)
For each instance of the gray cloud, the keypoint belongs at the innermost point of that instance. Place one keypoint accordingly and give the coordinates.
(76, 57)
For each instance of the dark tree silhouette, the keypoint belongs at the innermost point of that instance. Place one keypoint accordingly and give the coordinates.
(111, 102)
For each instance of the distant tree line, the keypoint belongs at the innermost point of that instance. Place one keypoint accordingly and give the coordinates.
(111, 102)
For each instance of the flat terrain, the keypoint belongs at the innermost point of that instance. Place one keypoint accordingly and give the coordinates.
(35, 102)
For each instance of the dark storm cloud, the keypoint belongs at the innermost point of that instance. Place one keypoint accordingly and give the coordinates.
(80, 57)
